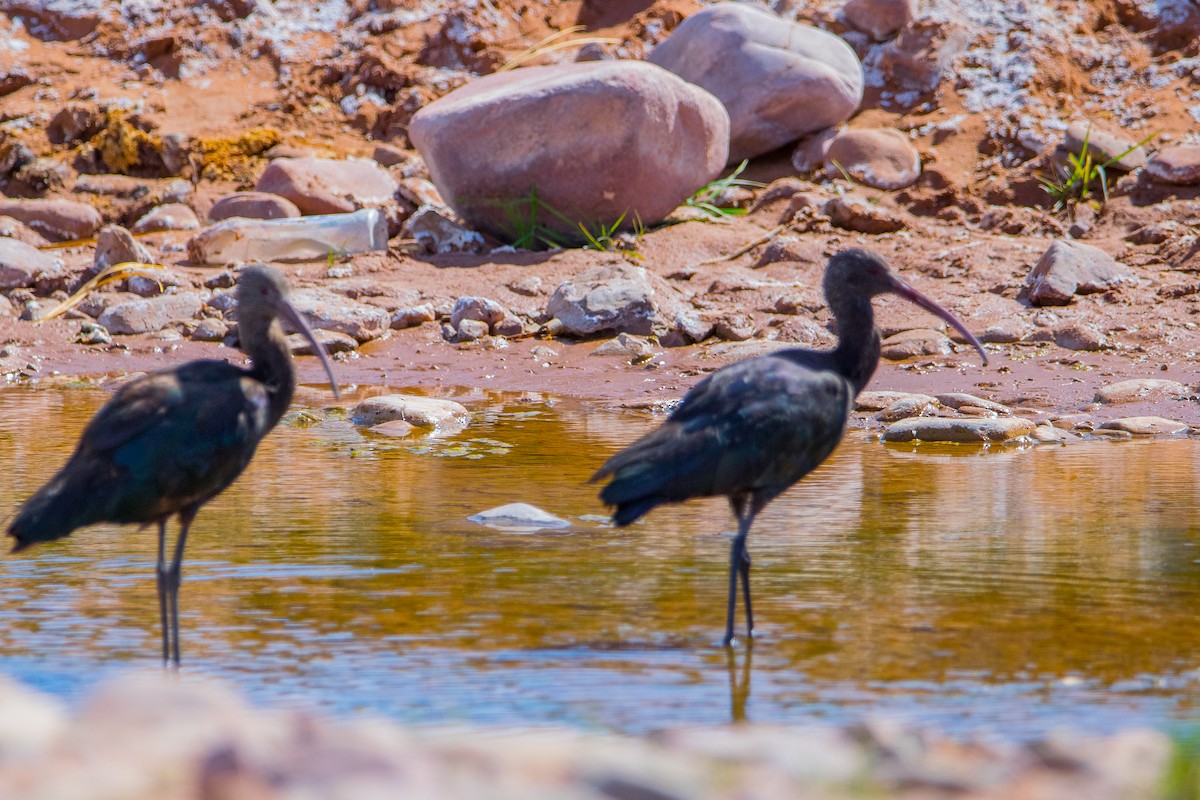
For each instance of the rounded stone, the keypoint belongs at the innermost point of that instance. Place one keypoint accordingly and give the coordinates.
(1137, 389)
(1179, 164)
(941, 429)
(57, 220)
(518, 516)
(169, 217)
(593, 142)
(879, 157)
(778, 79)
(1104, 144)
(255, 205)
(444, 416)
(880, 19)
(1146, 426)
(328, 186)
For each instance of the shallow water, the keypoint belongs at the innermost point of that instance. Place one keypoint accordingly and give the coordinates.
(1006, 590)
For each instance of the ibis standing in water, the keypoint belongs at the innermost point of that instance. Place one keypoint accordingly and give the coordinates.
(752, 429)
(170, 441)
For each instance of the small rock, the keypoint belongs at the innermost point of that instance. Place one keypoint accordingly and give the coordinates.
(519, 517)
(328, 186)
(509, 326)
(959, 399)
(880, 400)
(397, 429)
(477, 308)
(611, 297)
(778, 79)
(880, 157)
(224, 279)
(943, 429)
(1003, 333)
(171, 217)
(468, 330)
(150, 315)
(529, 286)
(1068, 268)
(444, 416)
(58, 220)
(327, 310)
(420, 192)
(437, 233)
(255, 205)
(412, 317)
(856, 214)
(880, 19)
(1146, 426)
(23, 266)
(633, 348)
(156, 284)
(332, 341)
(1048, 434)
(389, 155)
(733, 327)
(210, 329)
(907, 407)
(908, 344)
(92, 333)
(1104, 143)
(1138, 389)
(1080, 336)
(116, 245)
(1177, 164)
(15, 229)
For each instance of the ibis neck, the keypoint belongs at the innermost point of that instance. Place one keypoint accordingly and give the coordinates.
(271, 362)
(857, 352)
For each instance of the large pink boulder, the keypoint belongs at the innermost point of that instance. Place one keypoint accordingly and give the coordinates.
(778, 79)
(327, 185)
(57, 220)
(597, 141)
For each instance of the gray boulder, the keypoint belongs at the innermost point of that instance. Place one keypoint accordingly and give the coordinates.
(594, 142)
(150, 314)
(613, 297)
(779, 80)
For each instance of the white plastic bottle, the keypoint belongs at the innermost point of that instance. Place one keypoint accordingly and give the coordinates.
(292, 239)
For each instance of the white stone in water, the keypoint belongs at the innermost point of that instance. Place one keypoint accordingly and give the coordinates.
(445, 417)
(518, 516)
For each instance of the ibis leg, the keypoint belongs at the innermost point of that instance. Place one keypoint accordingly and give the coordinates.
(175, 577)
(161, 580)
(744, 568)
(737, 557)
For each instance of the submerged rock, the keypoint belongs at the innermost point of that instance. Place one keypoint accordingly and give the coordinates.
(518, 517)
(445, 417)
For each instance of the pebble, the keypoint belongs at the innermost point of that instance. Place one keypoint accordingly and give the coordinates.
(1146, 426)
(1049, 434)
(528, 286)
(15, 229)
(58, 220)
(733, 326)
(93, 333)
(518, 517)
(22, 265)
(149, 315)
(412, 317)
(332, 341)
(255, 205)
(883, 158)
(959, 399)
(880, 400)
(610, 297)
(919, 342)
(880, 19)
(1080, 336)
(171, 217)
(328, 186)
(778, 79)
(328, 310)
(162, 281)
(673, 138)
(420, 192)
(856, 214)
(437, 233)
(1176, 164)
(627, 346)
(1140, 389)
(210, 329)
(482, 309)
(943, 429)
(468, 330)
(906, 407)
(1068, 268)
(1104, 144)
(116, 245)
(444, 417)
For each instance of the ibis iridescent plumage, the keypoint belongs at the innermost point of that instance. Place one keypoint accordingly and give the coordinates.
(752, 429)
(170, 441)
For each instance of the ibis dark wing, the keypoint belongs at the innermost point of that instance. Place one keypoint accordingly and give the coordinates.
(755, 426)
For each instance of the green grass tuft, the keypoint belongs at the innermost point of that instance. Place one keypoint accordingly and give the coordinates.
(707, 198)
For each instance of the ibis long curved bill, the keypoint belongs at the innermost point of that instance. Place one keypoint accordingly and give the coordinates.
(289, 314)
(910, 294)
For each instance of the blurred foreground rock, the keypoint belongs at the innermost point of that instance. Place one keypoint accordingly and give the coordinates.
(147, 735)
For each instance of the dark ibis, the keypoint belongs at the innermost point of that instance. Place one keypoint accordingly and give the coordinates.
(170, 441)
(750, 430)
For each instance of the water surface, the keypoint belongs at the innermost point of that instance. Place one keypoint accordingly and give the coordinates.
(1006, 590)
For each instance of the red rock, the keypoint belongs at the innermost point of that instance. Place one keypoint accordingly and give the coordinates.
(881, 19)
(1179, 164)
(22, 265)
(778, 79)
(1068, 268)
(57, 220)
(255, 205)
(880, 157)
(491, 142)
(328, 186)
(15, 229)
(170, 217)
